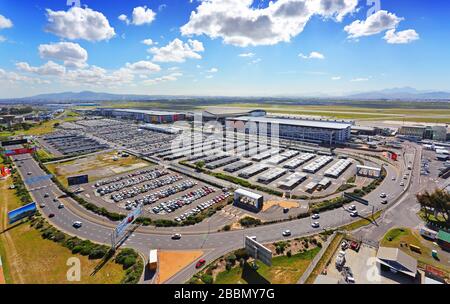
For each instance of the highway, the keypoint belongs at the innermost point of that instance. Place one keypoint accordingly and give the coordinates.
(214, 244)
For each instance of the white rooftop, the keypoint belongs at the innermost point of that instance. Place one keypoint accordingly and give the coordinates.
(298, 122)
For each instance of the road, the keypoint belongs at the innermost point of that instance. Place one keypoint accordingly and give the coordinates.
(215, 244)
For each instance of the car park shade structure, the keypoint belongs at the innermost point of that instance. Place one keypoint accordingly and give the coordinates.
(292, 180)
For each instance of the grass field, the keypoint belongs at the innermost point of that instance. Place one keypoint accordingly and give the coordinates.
(97, 166)
(28, 258)
(348, 112)
(397, 236)
(284, 270)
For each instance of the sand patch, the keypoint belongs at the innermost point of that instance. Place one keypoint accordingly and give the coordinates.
(282, 204)
(171, 262)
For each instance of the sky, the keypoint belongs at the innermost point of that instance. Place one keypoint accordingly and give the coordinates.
(223, 47)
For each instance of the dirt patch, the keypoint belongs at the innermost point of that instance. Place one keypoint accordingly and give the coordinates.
(171, 262)
(282, 204)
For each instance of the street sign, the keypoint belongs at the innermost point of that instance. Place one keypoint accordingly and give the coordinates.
(257, 250)
(356, 198)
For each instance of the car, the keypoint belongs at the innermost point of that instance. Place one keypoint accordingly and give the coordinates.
(29, 173)
(315, 216)
(200, 263)
(315, 224)
(285, 210)
(354, 214)
(55, 200)
(51, 215)
(46, 195)
(61, 206)
(176, 236)
(42, 205)
(12, 187)
(383, 195)
(402, 184)
(384, 202)
(352, 208)
(77, 224)
(354, 246)
(344, 245)
(394, 178)
(286, 233)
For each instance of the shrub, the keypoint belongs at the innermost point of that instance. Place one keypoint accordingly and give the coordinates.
(289, 254)
(207, 279)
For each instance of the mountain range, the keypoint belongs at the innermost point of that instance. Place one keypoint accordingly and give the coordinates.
(401, 94)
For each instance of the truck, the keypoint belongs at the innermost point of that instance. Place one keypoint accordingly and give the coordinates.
(153, 260)
(428, 233)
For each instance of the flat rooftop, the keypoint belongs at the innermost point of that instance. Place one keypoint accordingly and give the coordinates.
(298, 122)
(149, 112)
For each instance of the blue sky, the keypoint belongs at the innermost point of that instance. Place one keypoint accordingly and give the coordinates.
(232, 47)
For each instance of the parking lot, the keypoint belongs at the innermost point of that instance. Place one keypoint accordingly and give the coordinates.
(71, 143)
(360, 267)
(164, 194)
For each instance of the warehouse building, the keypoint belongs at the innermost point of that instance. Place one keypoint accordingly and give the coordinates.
(395, 260)
(153, 117)
(317, 131)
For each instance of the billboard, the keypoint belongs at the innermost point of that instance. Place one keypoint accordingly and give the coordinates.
(257, 250)
(77, 180)
(356, 198)
(14, 142)
(19, 151)
(131, 217)
(22, 212)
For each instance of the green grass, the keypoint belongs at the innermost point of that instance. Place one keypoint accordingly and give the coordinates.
(394, 234)
(362, 222)
(284, 270)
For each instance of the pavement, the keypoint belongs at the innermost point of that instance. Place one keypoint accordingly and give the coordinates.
(215, 244)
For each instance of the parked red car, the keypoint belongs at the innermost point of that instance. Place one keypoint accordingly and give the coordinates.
(354, 245)
(200, 263)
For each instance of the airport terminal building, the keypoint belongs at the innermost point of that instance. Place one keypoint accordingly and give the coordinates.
(316, 131)
(153, 117)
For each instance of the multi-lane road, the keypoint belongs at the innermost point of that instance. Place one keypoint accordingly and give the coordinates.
(214, 244)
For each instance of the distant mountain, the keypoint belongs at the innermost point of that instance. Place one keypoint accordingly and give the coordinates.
(405, 93)
(395, 94)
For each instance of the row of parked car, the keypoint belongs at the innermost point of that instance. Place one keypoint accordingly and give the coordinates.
(135, 191)
(202, 207)
(187, 199)
(130, 182)
(154, 197)
(119, 178)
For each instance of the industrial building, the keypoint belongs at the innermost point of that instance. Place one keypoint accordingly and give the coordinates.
(397, 261)
(316, 131)
(153, 117)
(438, 133)
(248, 200)
(222, 114)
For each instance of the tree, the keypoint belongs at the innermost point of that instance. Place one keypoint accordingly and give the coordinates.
(199, 165)
(437, 202)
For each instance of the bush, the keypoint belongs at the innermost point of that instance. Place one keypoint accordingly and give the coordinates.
(97, 253)
(249, 221)
(289, 254)
(227, 228)
(207, 279)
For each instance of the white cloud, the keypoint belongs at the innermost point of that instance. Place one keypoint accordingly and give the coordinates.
(177, 51)
(12, 77)
(79, 23)
(124, 18)
(209, 77)
(256, 61)
(336, 78)
(2, 39)
(72, 54)
(238, 23)
(249, 55)
(175, 68)
(49, 69)
(143, 67)
(213, 70)
(402, 37)
(170, 77)
(143, 15)
(374, 24)
(312, 55)
(147, 42)
(359, 79)
(5, 22)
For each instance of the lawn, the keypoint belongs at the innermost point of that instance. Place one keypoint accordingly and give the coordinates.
(284, 270)
(362, 222)
(28, 258)
(97, 166)
(398, 236)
